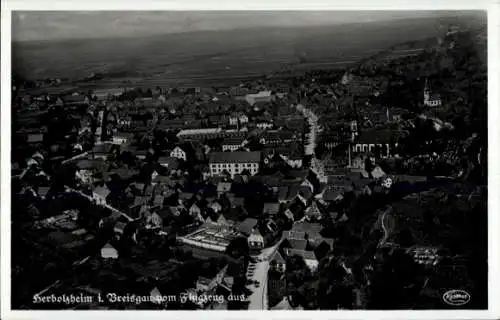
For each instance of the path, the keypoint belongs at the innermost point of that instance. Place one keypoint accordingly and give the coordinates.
(107, 206)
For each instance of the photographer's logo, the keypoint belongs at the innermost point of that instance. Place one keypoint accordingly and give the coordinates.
(456, 297)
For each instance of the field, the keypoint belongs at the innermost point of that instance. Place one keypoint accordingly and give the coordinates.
(216, 57)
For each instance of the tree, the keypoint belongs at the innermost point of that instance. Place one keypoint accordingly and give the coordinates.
(396, 283)
(238, 247)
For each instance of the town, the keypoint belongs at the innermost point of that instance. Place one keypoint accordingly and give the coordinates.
(351, 188)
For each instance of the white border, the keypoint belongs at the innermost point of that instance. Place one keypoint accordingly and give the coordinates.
(494, 139)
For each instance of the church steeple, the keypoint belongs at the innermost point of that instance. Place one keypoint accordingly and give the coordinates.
(427, 93)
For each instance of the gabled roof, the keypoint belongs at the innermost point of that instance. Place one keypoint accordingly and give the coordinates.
(271, 207)
(247, 225)
(312, 229)
(186, 195)
(294, 235)
(108, 246)
(224, 186)
(86, 164)
(42, 191)
(277, 257)
(35, 137)
(377, 173)
(102, 191)
(235, 157)
(300, 244)
(158, 200)
(222, 220)
(103, 148)
(306, 255)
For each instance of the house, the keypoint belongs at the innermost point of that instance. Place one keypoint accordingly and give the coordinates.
(255, 240)
(308, 256)
(271, 208)
(156, 296)
(296, 243)
(238, 118)
(293, 159)
(264, 124)
(377, 173)
(158, 201)
(304, 231)
(171, 163)
(109, 252)
(262, 96)
(185, 152)
(247, 226)
(43, 191)
(120, 138)
(288, 193)
(380, 143)
(119, 228)
(234, 162)
(194, 210)
(35, 138)
(200, 134)
(431, 99)
(215, 206)
(278, 263)
(295, 210)
(206, 285)
(233, 144)
(242, 118)
(153, 220)
(222, 221)
(185, 197)
(100, 193)
(313, 212)
(101, 151)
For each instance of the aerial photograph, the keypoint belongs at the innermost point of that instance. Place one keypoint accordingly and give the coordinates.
(249, 160)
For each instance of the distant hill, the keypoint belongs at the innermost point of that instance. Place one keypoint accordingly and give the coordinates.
(200, 57)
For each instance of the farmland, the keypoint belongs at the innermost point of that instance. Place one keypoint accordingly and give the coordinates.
(199, 58)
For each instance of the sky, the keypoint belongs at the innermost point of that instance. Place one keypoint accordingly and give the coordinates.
(55, 25)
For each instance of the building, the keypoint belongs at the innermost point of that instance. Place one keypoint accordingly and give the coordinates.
(293, 159)
(100, 194)
(200, 134)
(308, 256)
(109, 252)
(255, 240)
(278, 263)
(238, 118)
(264, 124)
(234, 162)
(178, 153)
(233, 144)
(262, 96)
(103, 94)
(276, 287)
(431, 99)
(122, 137)
(376, 142)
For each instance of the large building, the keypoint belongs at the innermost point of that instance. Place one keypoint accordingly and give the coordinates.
(199, 134)
(262, 96)
(431, 99)
(234, 162)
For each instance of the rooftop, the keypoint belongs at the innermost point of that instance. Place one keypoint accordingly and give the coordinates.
(235, 157)
(307, 255)
(199, 131)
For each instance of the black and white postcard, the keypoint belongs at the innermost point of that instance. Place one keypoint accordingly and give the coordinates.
(251, 160)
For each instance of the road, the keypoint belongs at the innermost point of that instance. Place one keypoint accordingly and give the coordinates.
(258, 298)
(384, 227)
(312, 119)
(107, 206)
